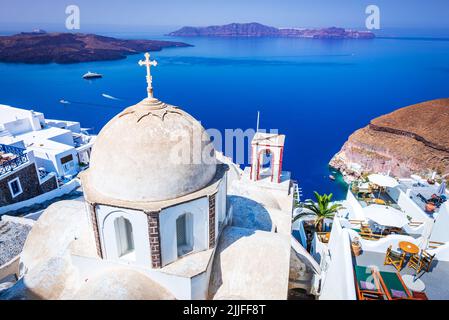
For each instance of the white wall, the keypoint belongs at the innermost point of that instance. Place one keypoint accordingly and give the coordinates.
(441, 253)
(65, 137)
(199, 209)
(139, 221)
(411, 208)
(220, 205)
(73, 169)
(18, 126)
(338, 283)
(440, 231)
(357, 208)
(382, 244)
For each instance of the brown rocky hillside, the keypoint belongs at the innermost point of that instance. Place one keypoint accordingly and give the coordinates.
(410, 140)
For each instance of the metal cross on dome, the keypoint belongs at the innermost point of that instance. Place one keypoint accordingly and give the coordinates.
(148, 63)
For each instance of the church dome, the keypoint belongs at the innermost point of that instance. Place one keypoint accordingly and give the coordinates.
(151, 151)
(122, 284)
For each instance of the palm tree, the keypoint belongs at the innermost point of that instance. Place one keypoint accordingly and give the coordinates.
(321, 209)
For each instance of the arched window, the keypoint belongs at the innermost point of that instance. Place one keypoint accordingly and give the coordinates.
(124, 238)
(184, 234)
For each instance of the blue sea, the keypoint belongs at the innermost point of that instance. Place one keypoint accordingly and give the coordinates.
(316, 92)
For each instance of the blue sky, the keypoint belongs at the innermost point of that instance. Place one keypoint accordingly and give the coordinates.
(280, 13)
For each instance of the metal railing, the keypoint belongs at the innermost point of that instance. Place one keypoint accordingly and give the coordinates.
(10, 165)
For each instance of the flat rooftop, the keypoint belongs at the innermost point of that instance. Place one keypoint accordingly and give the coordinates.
(436, 281)
(49, 146)
(44, 134)
(8, 113)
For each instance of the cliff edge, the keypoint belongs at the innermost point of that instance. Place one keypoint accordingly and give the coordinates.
(411, 140)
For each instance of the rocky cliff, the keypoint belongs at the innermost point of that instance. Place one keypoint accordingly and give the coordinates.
(259, 30)
(41, 47)
(411, 140)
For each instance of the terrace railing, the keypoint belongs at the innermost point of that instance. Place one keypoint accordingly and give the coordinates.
(10, 165)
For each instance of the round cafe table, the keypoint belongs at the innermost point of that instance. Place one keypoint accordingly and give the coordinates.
(408, 247)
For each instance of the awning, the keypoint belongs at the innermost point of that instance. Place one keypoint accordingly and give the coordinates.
(385, 216)
(383, 181)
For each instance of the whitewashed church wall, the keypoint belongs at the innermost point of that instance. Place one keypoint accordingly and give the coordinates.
(199, 210)
(220, 205)
(139, 222)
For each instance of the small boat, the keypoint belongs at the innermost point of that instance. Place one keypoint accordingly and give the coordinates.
(64, 101)
(92, 75)
(332, 177)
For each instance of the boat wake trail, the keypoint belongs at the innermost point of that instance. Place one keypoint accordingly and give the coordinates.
(107, 96)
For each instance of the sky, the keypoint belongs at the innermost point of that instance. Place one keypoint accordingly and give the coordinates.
(416, 14)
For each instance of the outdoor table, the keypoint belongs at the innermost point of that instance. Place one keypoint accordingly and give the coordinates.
(408, 247)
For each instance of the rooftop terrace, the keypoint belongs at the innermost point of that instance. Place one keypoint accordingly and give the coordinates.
(421, 193)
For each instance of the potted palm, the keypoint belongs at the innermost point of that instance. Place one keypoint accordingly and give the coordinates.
(322, 209)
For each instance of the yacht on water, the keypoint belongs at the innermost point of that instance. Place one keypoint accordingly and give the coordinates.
(92, 75)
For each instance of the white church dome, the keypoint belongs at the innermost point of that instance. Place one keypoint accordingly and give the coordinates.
(151, 151)
(122, 284)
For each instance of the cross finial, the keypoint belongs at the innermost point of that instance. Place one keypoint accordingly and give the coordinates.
(148, 63)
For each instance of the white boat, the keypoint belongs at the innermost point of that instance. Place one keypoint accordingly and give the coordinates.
(92, 75)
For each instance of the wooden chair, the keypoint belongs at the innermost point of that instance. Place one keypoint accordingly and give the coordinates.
(394, 258)
(393, 286)
(367, 284)
(422, 262)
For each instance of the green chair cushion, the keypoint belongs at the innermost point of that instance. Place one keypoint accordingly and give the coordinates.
(392, 281)
(363, 273)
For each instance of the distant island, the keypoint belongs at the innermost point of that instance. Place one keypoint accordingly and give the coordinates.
(259, 30)
(411, 140)
(42, 47)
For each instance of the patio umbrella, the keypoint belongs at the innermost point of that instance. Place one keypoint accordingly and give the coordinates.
(442, 188)
(383, 181)
(385, 216)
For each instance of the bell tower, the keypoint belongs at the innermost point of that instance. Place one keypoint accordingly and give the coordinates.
(266, 157)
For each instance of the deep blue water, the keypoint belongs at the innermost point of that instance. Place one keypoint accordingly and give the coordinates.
(316, 92)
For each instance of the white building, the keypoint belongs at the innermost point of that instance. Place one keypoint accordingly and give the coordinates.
(59, 146)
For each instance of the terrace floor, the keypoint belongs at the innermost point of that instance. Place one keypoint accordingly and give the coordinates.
(419, 192)
(436, 281)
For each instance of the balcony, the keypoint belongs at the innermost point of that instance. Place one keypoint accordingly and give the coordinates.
(11, 158)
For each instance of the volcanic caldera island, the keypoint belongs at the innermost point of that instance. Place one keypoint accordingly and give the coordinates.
(42, 47)
(255, 29)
